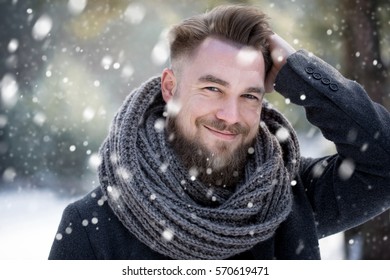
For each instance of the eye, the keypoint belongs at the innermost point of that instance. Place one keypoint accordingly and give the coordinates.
(213, 89)
(250, 97)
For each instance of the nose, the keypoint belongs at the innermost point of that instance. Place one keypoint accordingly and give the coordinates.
(228, 111)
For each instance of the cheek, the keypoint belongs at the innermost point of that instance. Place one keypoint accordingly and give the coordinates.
(186, 121)
(250, 112)
(195, 109)
(252, 119)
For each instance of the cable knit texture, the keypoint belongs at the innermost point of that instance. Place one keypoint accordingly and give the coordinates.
(156, 199)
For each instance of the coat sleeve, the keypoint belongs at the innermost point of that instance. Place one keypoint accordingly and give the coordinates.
(352, 186)
(71, 241)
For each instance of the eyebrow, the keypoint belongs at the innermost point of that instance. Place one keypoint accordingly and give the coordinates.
(213, 79)
(258, 90)
(216, 80)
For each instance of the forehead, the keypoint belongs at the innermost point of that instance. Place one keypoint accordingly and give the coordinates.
(219, 56)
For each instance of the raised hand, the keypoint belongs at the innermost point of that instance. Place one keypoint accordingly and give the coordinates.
(280, 50)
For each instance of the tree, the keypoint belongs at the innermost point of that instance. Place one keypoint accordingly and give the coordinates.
(21, 55)
(365, 44)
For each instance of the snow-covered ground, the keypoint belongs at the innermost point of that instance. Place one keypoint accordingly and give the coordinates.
(28, 223)
(29, 220)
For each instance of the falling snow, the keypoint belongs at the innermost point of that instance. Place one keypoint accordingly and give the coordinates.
(293, 183)
(88, 114)
(246, 56)
(94, 161)
(160, 53)
(173, 107)
(39, 118)
(9, 90)
(135, 13)
(282, 134)
(346, 169)
(159, 125)
(76, 7)
(68, 230)
(164, 167)
(167, 235)
(13, 45)
(124, 174)
(62, 92)
(106, 62)
(42, 27)
(85, 222)
(113, 192)
(9, 175)
(364, 147)
(193, 173)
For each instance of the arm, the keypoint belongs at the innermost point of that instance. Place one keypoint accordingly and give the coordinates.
(353, 185)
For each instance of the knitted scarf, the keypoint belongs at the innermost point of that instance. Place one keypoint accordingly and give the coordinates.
(156, 199)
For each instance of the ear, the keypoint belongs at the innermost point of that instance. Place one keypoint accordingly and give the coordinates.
(168, 84)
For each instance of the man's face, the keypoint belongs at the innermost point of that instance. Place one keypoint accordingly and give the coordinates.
(217, 97)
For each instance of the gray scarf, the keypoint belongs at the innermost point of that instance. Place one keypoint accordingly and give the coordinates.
(156, 199)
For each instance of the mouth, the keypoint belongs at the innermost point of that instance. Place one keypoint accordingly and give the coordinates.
(224, 135)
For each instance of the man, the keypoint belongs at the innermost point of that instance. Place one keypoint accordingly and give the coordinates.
(198, 166)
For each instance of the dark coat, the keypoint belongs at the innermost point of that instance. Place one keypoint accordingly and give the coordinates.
(326, 199)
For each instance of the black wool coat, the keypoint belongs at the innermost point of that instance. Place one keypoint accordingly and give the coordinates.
(331, 194)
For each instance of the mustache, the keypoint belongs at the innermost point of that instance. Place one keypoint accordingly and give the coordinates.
(220, 125)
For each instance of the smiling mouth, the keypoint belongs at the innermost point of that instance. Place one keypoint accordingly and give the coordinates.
(225, 135)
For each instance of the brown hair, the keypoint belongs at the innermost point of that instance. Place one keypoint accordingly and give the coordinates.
(242, 25)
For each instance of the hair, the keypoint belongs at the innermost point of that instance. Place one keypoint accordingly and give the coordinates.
(238, 24)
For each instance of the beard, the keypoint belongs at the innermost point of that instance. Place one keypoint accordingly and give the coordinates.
(223, 168)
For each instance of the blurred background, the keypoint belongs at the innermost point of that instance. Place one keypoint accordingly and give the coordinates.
(67, 65)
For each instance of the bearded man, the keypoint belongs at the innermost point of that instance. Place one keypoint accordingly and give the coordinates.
(197, 165)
